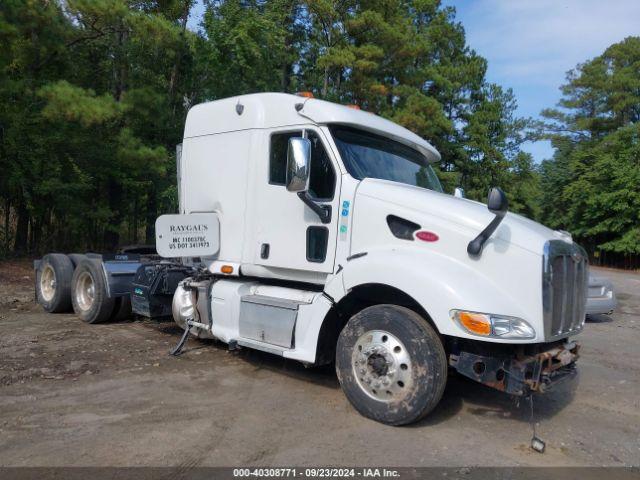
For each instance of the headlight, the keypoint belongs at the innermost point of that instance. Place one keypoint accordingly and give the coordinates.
(182, 306)
(495, 326)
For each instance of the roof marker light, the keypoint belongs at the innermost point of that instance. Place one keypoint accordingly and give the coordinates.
(305, 94)
(427, 236)
(355, 107)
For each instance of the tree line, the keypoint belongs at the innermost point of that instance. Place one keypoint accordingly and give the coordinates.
(95, 93)
(591, 186)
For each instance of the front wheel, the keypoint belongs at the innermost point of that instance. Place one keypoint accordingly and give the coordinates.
(391, 364)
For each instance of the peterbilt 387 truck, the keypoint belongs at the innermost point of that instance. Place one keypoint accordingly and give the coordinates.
(322, 234)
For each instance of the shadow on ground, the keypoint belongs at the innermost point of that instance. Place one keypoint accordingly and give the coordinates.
(460, 393)
(599, 318)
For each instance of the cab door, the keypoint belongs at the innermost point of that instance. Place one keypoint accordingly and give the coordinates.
(289, 234)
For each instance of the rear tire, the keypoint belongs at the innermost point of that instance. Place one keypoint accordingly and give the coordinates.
(76, 258)
(89, 293)
(53, 283)
(391, 364)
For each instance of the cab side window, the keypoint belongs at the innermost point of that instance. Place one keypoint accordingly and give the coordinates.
(322, 181)
(278, 156)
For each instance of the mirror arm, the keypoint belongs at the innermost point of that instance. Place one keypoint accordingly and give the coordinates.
(323, 211)
(475, 246)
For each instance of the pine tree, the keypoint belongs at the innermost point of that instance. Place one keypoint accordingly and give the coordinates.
(96, 94)
(592, 183)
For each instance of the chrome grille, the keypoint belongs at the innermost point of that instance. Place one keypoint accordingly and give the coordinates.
(564, 288)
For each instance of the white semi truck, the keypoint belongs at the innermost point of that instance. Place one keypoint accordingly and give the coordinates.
(320, 233)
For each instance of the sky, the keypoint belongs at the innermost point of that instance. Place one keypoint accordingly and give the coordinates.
(531, 44)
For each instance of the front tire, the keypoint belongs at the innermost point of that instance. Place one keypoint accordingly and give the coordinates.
(89, 293)
(391, 364)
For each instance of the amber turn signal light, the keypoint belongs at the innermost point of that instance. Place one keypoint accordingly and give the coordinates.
(475, 322)
(493, 325)
(226, 269)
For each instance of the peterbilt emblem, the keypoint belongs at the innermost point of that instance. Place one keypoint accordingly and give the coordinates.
(577, 257)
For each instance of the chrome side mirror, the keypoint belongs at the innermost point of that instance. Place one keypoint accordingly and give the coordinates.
(458, 192)
(298, 163)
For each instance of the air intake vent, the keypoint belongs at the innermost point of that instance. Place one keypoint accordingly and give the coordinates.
(402, 228)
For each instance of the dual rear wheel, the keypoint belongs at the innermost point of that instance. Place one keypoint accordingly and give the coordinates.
(89, 293)
(77, 281)
(53, 283)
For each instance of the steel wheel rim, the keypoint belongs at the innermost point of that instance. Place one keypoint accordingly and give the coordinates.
(382, 366)
(85, 291)
(48, 283)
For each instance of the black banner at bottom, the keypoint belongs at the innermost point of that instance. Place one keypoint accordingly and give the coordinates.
(391, 473)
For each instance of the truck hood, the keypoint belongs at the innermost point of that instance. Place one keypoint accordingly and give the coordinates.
(467, 215)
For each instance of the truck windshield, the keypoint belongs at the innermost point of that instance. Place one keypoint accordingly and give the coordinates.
(367, 155)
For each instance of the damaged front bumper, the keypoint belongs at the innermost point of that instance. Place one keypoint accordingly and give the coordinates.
(520, 374)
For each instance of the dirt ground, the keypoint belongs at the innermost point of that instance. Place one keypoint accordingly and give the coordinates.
(109, 395)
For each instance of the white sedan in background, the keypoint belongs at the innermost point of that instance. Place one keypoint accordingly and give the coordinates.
(601, 297)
